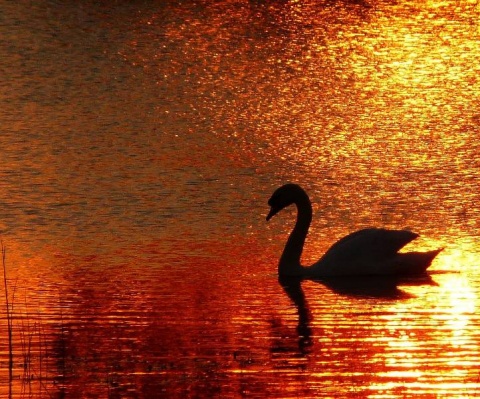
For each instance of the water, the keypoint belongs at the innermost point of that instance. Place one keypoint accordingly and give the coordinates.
(140, 143)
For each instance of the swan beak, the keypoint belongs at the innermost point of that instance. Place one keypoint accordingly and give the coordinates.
(273, 212)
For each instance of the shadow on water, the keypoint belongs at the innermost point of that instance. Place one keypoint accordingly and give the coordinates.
(380, 287)
(366, 287)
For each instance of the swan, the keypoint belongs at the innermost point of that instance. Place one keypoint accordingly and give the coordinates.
(372, 251)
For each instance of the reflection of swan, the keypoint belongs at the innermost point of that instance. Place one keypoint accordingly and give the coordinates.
(293, 288)
(380, 286)
(364, 287)
(365, 252)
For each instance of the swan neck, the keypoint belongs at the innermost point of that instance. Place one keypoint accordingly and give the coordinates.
(290, 259)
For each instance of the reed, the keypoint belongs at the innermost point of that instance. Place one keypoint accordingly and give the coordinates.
(26, 339)
(33, 354)
(9, 310)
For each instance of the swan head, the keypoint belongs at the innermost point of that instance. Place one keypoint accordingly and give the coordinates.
(282, 197)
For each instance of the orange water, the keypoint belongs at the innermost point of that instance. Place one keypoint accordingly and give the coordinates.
(140, 143)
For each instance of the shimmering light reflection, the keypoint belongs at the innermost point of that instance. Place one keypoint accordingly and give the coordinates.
(462, 305)
(434, 338)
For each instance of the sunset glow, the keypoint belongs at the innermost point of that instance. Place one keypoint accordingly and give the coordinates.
(141, 142)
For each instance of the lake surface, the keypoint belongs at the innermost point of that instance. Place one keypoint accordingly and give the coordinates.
(140, 142)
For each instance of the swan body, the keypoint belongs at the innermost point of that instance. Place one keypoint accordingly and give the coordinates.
(370, 251)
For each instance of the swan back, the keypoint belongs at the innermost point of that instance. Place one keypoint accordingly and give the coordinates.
(367, 251)
(369, 244)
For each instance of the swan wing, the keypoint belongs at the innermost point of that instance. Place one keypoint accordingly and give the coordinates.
(368, 246)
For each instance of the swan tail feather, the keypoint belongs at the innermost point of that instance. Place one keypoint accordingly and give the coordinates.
(414, 262)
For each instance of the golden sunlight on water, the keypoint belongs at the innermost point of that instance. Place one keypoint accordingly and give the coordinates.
(141, 144)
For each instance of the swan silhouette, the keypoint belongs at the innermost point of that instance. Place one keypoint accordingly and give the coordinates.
(365, 252)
